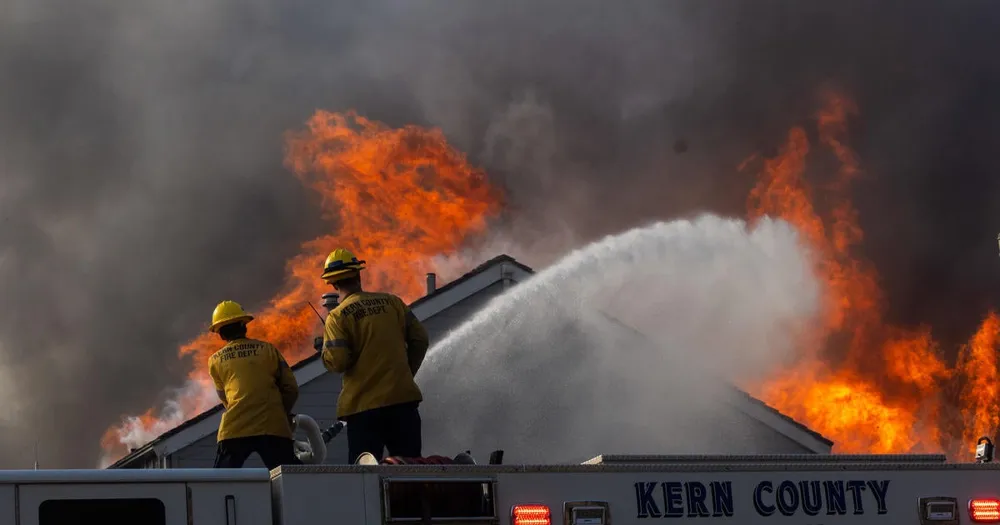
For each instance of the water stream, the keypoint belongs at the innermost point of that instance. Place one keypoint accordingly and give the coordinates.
(622, 345)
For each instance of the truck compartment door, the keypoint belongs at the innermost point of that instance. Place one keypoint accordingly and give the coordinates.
(439, 500)
(104, 503)
(7, 504)
(231, 503)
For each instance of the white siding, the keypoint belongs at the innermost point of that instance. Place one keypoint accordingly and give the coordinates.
(451, 317)
(730, 432)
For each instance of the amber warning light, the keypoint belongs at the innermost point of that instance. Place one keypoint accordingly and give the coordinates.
(531, 515)
(984, 510)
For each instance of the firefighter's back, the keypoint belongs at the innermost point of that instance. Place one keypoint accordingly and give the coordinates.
(248, 370)
(381, 375)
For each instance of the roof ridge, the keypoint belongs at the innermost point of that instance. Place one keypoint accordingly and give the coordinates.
(736, 388)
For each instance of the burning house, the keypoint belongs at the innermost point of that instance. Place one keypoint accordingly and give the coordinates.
(749, 425)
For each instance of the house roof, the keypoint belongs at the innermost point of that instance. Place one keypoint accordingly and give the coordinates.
(144, 450)
(478, 270)
(424, 307)
(743, 399)
(757, 402)
(476, 280)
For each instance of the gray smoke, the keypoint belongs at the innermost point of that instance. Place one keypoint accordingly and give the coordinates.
(140, 152)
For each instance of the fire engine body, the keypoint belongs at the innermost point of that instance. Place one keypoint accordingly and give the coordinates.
(623, 490)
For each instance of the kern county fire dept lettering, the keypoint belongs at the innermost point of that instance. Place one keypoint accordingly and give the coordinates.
(240, 350)
(365, 307)
(714, 499)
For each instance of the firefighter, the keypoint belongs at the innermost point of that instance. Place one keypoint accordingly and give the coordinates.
(376, 342)
(258, 391)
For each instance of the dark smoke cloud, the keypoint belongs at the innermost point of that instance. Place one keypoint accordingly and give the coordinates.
(140, 152)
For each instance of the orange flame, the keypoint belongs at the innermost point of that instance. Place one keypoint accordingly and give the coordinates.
(397, 197)
(401, 196)
(978, 363)
(867, 386)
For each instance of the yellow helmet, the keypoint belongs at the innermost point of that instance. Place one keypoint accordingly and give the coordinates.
(340, 264)
(228, 312)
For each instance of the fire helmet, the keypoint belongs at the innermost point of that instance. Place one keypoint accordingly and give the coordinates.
(228, 312)
(341, 264)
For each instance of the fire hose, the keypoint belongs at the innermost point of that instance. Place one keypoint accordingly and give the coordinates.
(312, 451)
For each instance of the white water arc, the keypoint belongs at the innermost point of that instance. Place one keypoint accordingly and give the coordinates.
(551, 371)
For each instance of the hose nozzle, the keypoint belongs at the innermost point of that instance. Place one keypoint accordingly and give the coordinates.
(332, 432)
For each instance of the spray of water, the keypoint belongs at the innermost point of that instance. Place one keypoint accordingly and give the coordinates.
(622, 345)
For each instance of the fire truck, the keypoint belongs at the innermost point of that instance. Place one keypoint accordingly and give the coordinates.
(620, 490)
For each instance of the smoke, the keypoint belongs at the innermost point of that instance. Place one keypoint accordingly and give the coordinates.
(140, 153)
(550, 362)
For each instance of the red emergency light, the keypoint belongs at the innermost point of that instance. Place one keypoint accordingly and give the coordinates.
(984, 510)
(531, 515)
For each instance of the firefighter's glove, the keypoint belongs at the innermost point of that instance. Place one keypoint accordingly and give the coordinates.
(318, 344)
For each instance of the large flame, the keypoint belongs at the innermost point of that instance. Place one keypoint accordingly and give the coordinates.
(397, 197)
(868, 386)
